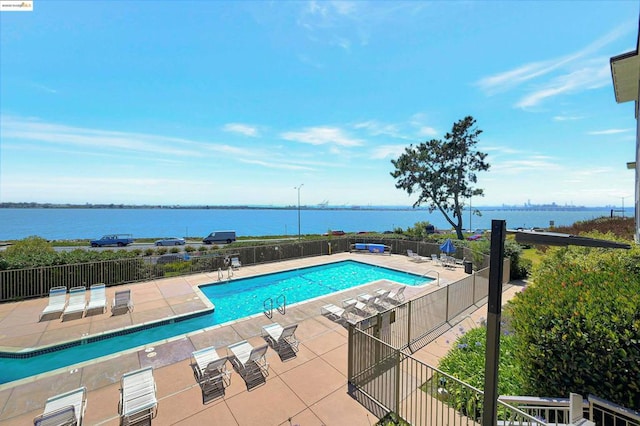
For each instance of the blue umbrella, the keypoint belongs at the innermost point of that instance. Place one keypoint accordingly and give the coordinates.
(448, 246)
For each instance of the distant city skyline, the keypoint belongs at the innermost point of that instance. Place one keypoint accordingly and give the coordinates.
(238, 103)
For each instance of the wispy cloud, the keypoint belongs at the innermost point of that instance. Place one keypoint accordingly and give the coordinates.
(571, 73)
(567, 117)
(609, 131)
(322, 136)
(387, 151)
(588, 77)
(244, 129)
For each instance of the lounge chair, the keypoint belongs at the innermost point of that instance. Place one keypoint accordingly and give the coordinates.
(122, 302)
(209, 367)
(97, 299)
(77, 302)
(367, 308)
(281, 339)
(436, 260)
(138, 400)
(337, 313)
(395, 296)
(415, 257)
(64, 409)
(379, 299)
(250, 362)
(235, 263)
(57, 302)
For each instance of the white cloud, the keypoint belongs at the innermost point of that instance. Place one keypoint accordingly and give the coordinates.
(571, 73)
(427, 131)
(609, 131)
(387, 151)
(588, 77)
(243, 129)
(322, 136)
(567, 117)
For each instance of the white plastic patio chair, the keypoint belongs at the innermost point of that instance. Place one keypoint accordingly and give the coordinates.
(235, 263)
(122, 302)
(64, 409)
(97, 299)
(77, 302)
(138, 400)
(57, 302)
(281, 339)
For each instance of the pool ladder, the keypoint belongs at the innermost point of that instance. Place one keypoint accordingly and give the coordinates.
(281, 305)
(221, 273)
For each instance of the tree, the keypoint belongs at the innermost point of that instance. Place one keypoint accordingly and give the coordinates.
(443, 172)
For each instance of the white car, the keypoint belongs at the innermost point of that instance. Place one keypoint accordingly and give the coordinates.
(171, 241)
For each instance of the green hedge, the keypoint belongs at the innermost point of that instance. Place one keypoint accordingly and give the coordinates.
(578, 325)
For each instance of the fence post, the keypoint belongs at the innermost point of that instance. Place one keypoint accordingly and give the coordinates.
(446, 314)
(409, 325)
(350, 352)
(396, 409)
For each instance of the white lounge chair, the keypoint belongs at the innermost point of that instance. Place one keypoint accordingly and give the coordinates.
(64, 409)
(282, 339)
(337, 313)
(251, 363)
(97, 299)
(434, 258)
(57, 302)
(235, 263)
(138, 400)
(395, 296)
(209, 368)
(415, 257)
(365, 307)
(77, 302)
(122, 302)
(379, 299)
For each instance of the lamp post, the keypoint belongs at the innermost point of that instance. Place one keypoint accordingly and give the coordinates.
(298, 188)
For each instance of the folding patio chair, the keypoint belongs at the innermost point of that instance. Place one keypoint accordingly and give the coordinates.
(281, 339)
(57, 302)
(138, 400)
(64, 409)
(97, 299)
(77, 302)
(122, 302)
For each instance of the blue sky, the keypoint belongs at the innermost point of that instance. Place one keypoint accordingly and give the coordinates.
(231, 103)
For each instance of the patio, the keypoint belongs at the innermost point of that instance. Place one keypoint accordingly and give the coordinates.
(309, 389)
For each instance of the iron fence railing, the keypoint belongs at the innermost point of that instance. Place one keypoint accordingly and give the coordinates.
(416, 322)
(17, 284)
(391, 382)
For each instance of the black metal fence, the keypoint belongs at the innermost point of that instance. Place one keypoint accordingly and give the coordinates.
(20, 284)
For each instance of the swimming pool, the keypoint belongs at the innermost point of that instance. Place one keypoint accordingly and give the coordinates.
(233, 300)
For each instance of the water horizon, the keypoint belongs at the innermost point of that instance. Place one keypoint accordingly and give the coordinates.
(76, 223)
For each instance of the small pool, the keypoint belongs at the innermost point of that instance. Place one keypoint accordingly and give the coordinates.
(233, 300)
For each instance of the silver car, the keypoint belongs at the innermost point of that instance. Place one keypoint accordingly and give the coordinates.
(171, 241)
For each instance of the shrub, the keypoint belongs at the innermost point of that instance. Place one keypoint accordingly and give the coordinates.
(174, 250)
(466, 361)
(149, 252)
(161, 250)
(189, 249)
(578, 325)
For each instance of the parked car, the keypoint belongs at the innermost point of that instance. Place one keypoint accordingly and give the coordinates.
(171, 241)
(220, 237)
(119, 240)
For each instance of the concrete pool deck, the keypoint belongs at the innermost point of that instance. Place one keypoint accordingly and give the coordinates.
(309, 389)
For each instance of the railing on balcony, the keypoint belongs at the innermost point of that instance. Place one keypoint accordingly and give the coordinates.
(388, 380)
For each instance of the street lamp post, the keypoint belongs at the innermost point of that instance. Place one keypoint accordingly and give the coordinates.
(298, 188)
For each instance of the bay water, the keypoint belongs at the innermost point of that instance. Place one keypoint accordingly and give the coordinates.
(69, 223)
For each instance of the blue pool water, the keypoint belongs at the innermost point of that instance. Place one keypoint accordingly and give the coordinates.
(233, 300)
